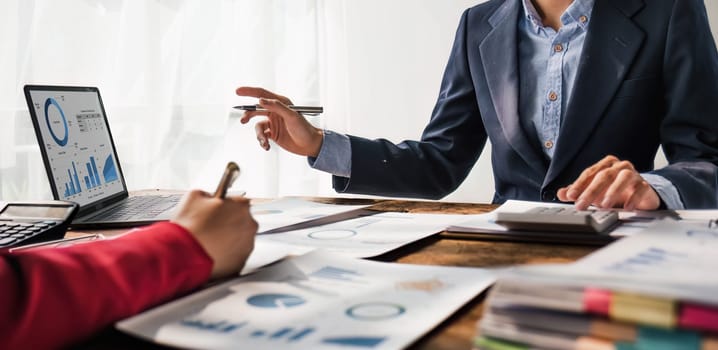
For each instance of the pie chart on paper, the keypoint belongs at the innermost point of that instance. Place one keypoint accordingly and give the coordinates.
(275, 301)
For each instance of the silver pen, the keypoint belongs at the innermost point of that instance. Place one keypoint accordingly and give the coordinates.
(300, 109)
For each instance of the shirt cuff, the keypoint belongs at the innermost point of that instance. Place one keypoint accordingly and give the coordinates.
(666, 190)
(335, 155)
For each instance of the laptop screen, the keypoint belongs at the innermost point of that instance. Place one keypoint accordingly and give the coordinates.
(76, 143)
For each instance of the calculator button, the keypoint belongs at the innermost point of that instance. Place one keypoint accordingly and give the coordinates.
(51, 223)
(25, 232)
(3, 235)
(10, 232)
(34, 229)
(8, 240)
(11, 224)
(17, 235)
(22, 224)
(42, 225)
(3, 228)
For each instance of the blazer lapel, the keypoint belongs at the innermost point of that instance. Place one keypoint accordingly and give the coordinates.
(499, 56)
(612, 42)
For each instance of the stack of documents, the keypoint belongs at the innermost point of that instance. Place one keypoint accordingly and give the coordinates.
(654, 290)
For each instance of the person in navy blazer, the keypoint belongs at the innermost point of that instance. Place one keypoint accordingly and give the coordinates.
(647, 77)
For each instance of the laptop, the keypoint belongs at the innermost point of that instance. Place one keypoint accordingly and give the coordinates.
(81, 160)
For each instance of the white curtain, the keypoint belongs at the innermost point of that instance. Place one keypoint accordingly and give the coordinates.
(167, 70)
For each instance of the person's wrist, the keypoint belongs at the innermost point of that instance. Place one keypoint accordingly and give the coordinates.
(661, 204)
(317, 142)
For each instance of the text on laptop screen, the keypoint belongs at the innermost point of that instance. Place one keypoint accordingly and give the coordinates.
(78, 145)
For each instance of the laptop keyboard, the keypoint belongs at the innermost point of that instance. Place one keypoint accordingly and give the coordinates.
(139, 208)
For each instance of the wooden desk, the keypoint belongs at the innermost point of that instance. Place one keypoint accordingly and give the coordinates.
(458, 331)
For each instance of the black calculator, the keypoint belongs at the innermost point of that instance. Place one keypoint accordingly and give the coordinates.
(33, 222)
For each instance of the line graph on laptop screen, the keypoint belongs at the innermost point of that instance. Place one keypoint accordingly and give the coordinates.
(78, 146)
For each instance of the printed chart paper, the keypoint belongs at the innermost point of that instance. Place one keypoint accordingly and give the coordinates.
(364, 237)
(265, 253)
(316, 301)
(671, 259)
(289, 211)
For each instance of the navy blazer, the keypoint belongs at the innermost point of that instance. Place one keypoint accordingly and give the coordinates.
(648, 76)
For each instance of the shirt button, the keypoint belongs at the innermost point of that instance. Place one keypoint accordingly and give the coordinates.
(583, 19)
(558, 48)
(548, 144)
(552, 96)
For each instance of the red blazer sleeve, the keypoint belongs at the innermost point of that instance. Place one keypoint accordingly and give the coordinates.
(54, 297)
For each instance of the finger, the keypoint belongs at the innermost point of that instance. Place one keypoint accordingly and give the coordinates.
(278, 108)
(241, 201)
(251, 114)
(616, 192)
(607, 178)
(562, 194)
(197, 194)
(263, 132)
(586, 177)
(189, 198)
(259, 92)
(601, 182)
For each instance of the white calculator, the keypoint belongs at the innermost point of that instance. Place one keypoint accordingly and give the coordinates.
(562, 219)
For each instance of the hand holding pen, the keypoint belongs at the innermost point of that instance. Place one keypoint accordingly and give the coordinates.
(223, 226)
(283, 125)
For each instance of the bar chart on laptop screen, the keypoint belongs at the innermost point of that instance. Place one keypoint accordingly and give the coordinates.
(78, 145)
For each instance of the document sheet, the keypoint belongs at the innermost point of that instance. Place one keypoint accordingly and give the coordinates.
(289, 211)
(366, 236)
(316, 301)
(670, 259)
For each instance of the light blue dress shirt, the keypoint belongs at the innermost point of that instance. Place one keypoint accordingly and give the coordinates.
(335, 155)
(548, 64)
